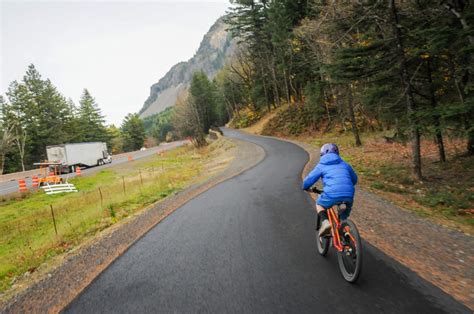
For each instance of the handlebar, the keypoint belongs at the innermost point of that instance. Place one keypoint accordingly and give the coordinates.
(315, 190)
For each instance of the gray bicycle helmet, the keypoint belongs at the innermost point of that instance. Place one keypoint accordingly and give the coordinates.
(329, 148)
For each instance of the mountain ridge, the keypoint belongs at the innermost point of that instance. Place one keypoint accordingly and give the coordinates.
(215, 48)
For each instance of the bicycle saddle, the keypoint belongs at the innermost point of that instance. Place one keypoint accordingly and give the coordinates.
(341, 206)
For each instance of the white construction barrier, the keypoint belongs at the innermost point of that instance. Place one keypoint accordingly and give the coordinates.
(59, 188)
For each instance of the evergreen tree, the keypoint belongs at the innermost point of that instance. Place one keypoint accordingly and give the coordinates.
(91, 121)
(202, 93)
(162, 124)
(39, 115)
(115, 139)
(194, 115)
(133, 132)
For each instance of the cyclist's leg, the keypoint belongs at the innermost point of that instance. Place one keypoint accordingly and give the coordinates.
(321, 205)
(344, 215)
(319, 208)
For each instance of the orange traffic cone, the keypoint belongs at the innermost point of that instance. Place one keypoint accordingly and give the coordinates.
(35, 181)
(78, 171)
(130, 158)
(22, 185)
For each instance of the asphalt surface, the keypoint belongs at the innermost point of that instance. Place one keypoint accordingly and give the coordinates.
(248, 246)
(8, 187)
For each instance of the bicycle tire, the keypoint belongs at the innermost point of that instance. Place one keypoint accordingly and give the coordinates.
(351, 265)
(322, 243)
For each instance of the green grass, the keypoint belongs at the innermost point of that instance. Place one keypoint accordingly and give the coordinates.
(27, 236)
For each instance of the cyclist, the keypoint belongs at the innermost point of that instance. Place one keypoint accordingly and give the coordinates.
(338, 184)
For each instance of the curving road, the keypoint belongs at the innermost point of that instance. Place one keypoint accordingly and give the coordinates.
(247, 246)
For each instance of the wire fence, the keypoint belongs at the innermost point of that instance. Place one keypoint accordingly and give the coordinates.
(62, 221)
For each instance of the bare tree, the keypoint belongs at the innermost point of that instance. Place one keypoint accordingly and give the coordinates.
(6, 143)
(19, 139)
(187, 121)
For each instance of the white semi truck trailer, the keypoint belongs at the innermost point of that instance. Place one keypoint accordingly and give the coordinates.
(75, 155)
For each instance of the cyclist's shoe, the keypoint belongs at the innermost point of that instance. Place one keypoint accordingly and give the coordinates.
(325, 228)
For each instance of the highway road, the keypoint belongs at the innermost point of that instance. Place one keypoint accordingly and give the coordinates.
(248, 246)
(11, 186)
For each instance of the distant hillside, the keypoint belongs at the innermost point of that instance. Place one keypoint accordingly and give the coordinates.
(214, 50)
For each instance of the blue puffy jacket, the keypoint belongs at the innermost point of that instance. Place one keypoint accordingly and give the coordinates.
(338, 177)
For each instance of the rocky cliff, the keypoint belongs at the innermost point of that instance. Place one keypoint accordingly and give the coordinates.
(216, 47)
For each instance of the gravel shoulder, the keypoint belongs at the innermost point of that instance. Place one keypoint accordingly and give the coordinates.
(441, 256)
(53, 290)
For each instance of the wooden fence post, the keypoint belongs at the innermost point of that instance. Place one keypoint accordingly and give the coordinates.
(123, 185)
(54, 219)
(101, 198)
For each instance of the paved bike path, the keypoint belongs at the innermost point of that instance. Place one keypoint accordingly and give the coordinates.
(247, 246)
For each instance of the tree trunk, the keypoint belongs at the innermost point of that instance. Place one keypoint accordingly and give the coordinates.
(287, 88)
(269, 108)
(470, 115)
(276, 95)
(2, 163)
(350, 105)
(436, 116)
(21, 150)
(229, 109)
(410, 102)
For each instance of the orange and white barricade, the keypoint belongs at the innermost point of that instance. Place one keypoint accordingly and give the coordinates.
(22, 186)
(35, 181)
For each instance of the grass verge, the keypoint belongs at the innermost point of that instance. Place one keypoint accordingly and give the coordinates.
(27, 232)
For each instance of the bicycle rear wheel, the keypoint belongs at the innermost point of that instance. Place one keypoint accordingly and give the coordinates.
(322, 242)
(350, 259)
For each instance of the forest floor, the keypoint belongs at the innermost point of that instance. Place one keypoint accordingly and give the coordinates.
(446, 193)
(28, 238)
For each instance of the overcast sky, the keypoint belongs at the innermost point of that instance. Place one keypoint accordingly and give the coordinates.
(117, 50)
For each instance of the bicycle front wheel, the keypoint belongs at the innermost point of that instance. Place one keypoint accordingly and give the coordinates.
(350, 258)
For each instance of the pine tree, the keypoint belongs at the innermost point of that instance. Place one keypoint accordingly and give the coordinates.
(39, 115)
(91, 120)
(115, 139)
(202, 93)
(133, 132)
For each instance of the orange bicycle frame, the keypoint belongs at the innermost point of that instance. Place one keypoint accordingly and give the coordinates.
(335, 224)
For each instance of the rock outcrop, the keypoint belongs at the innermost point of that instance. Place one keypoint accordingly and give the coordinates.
(216, 47)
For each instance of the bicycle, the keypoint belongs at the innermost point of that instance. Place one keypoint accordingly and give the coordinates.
(345, 239)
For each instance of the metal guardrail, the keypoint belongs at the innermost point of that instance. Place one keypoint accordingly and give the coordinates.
(59, 188)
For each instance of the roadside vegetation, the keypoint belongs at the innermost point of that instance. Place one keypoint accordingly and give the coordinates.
(445, 193)
(401, 68)
(27, 230)
(390, 81)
